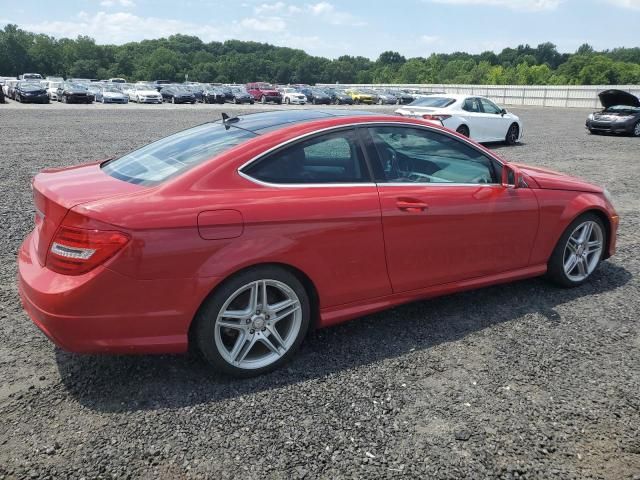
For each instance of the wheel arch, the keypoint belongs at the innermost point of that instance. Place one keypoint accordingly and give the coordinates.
(307, 283)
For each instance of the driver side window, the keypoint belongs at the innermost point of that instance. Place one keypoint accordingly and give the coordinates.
(490, 107)
(415, 155)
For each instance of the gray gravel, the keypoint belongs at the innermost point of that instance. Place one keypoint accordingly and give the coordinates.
(518, 381)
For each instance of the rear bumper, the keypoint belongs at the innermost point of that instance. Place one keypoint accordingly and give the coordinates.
(106, 312)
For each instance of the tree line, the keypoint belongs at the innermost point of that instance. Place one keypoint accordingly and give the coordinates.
(177, 56)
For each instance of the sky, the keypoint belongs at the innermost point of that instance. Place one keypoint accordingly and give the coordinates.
(334, 28)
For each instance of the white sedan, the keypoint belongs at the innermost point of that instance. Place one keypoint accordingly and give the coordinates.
(291, 96)
(472, 116)
(144, 94)
(52, 89)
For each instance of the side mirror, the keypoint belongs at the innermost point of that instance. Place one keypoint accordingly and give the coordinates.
(503, 112)
(511, 176)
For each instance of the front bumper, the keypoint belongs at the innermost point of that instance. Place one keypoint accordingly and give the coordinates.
(150, 100)
(103, 311)
(44, 98)
(121, 101)
(611, 127)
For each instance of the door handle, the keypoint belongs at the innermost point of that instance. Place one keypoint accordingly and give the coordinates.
(411, 206)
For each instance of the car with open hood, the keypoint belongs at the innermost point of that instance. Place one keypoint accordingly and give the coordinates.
(239, 236)
(621, 114)
(475, 117)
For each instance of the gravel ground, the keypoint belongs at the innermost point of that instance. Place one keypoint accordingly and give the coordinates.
(518, 381)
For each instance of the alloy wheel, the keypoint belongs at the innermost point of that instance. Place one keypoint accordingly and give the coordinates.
(583, 251)
(258, 324)
(636, 130)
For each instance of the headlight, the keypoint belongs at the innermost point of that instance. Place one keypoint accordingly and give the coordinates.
(608, 196)
(590, 117)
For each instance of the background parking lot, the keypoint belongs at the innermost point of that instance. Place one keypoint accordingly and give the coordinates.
(517, 381)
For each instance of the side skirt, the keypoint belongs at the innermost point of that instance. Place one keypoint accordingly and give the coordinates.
(341, 313)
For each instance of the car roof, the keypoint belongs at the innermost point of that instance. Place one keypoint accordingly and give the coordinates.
(275, 120)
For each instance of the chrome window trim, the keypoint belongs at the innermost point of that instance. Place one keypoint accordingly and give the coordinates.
(363, 184)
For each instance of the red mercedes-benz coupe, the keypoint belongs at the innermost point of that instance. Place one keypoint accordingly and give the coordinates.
(240, 235)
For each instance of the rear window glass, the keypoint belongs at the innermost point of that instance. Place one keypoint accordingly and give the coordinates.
(175, 154)
(437, 102)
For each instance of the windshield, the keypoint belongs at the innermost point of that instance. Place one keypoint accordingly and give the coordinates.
(623, 108)
(111, 90)
(76, 85)
(238, 90)
(175, 154)
(437, 102)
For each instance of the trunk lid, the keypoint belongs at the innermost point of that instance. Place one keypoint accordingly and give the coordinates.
(56, 191)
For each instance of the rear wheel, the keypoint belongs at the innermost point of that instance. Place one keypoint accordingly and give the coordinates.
(254, 322)
(578, 252)
(512, 134)
(263, 99)
(463, 130)
(636, 130)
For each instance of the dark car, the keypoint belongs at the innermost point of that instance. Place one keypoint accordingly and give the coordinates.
(2, 95)
(197, 90)
(319, 97)
(402, 97)
(160, 84)
(213, 95)
(72, 92)
(339, 97)
(621, 114)
(264, 92)
(177, 94)
(30, 92)
(238, 94)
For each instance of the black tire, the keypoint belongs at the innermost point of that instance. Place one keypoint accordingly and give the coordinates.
(512, 134)
(636, 129)
(398, 101)
(287, 101)
(252, 102)
(555, 265)
(204, 322)
(263, 99)
(279, 102)
(463, 130)
(234, 101)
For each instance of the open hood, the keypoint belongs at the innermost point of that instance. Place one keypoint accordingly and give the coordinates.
(610, 98)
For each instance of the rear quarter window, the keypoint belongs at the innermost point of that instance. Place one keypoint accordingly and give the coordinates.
(173, 155)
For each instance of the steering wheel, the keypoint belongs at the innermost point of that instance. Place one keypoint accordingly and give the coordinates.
(417, 177)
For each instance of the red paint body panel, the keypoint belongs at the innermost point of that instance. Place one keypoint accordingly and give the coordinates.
(359, 249)
(464, 232)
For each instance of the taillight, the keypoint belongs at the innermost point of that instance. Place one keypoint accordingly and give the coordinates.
(439, 118)
(75, 251)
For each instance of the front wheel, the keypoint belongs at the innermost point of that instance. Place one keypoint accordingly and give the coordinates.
(636, 130)
(578, 252)
(263, 100)
(254, 322)
(512, 134)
